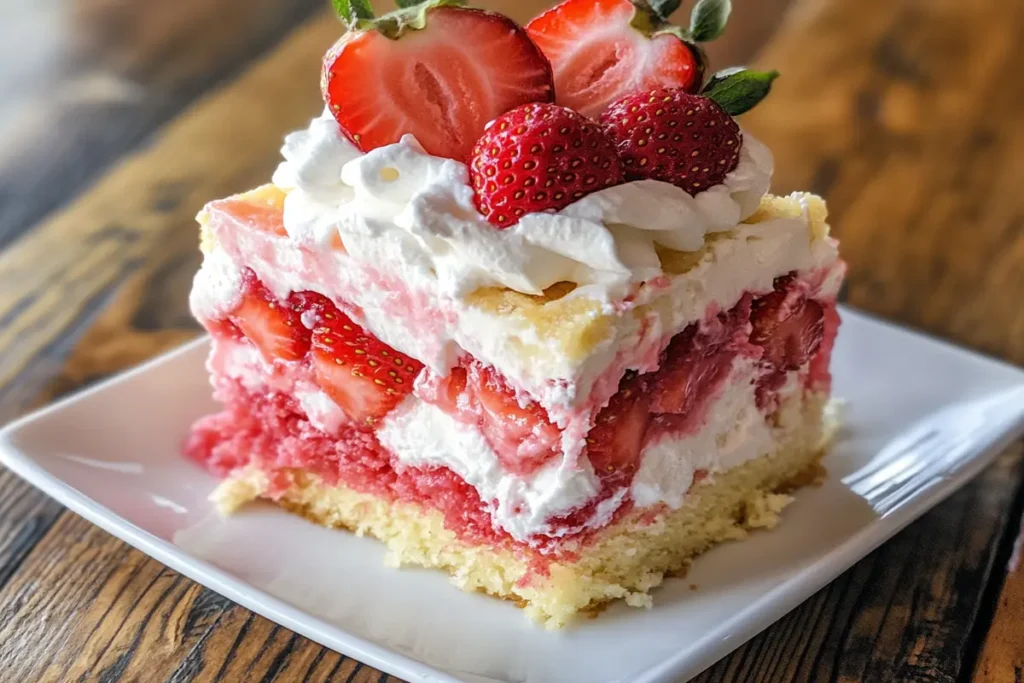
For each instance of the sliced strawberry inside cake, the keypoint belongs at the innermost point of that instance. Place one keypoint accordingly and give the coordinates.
(556, 349)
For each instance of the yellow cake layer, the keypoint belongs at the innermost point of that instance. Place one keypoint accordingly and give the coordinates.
(625, 560)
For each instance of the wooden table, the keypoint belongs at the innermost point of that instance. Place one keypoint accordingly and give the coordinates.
(120, 118)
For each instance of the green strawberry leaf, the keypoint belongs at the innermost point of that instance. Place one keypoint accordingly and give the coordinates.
(738, 90)
(351, 11)
(407, 3)
(708, 19)
(663, 8)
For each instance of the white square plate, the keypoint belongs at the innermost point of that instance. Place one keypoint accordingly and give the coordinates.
(922, 418)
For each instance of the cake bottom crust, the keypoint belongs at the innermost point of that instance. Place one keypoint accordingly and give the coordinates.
(622, 561)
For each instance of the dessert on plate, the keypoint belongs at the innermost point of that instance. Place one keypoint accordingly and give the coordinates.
(519, 305)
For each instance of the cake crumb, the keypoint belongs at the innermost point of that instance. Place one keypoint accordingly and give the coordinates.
(764, 511)
(693, 586)
(639, 600)
(238, 490)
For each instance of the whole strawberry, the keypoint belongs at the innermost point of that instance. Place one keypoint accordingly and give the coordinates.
(671, 135)
(539, 157)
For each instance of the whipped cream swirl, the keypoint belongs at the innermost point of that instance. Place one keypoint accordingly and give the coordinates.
(398, 205)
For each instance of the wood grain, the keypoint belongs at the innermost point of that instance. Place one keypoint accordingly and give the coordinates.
(877, 98)
(132, 619)
(899, 614)
(83, 269)
(85, 81)
(1002, 657)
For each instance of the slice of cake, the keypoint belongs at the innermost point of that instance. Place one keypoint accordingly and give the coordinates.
(554, 355)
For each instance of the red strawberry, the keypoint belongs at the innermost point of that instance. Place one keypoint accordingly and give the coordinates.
(788, 325)
(670, 135)
(615, 440)
(539, 157)
(696, 362)
(222, 329)
(689, 376)
(446, 392)
(601, 50)
(523, 436)
(311, 307)
(363, 375)
(273, 326)
(441, 81)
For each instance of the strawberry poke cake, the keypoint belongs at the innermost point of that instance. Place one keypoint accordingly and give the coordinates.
(519, 304)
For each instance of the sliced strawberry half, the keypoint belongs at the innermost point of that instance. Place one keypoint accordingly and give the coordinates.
(615, 440)
(601, 50)
(273, 326)
(696, 363)
(363, 375)
(788, 325)
(222, 329)
(523, 436)
(439, 73)
(690, 375)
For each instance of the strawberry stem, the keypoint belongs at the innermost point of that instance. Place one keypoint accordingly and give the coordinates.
(650, 18)
(664, 8)
(352, 12)
(645, 19)
(410, 16)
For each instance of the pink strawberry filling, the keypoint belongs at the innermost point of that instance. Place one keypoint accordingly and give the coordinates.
(517, 429)
(270, 431)
(782, 332)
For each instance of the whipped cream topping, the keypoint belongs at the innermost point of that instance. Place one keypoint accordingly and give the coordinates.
(415, 246)
(401, 206)
(438, 331)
